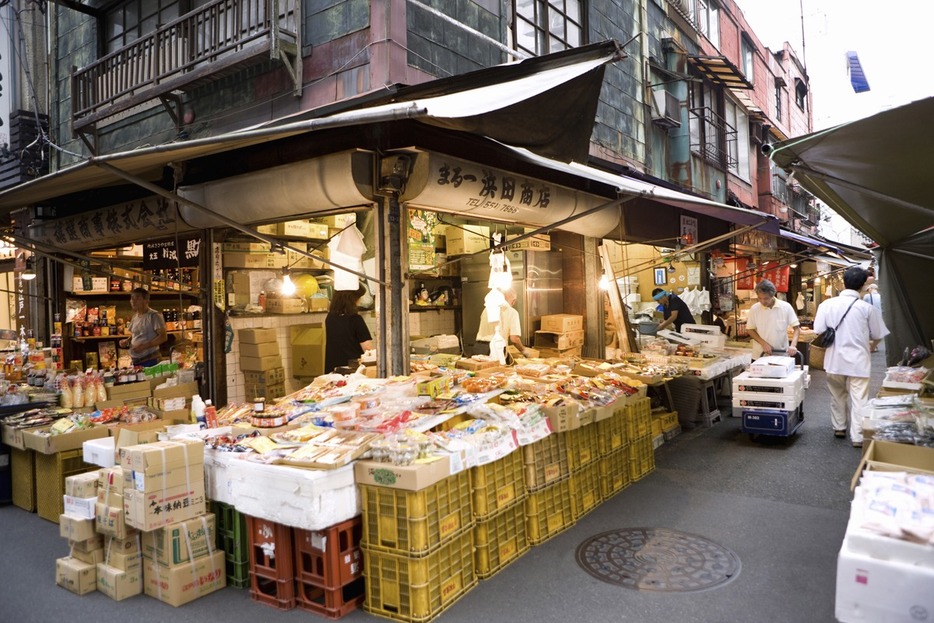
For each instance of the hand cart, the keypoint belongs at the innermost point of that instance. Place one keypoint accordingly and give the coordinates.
(768, 414)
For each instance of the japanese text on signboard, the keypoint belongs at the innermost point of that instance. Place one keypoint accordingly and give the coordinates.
(495, 192)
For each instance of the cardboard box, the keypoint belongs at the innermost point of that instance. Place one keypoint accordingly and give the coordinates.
(299, 229)
(39, 440)
(125, 562)
(339, 221)
(110, 521)
(257, 336)
(179, 585)
(169, 546)
(886, 456)
(538, 242)
(308, 350)
(318, 303)
(137, 434)
(561, 341)
(564, 417)
(76, 528)
(88, 545)
(269, 377)
(284, 305)
(247, 247)
(126, 546)
(269, 392)
(180, 390)
(562, 323)
(13, 436)
(92, 557)
(263, 349)
(254, 260)
(412, 477)
(464, 239)
(117, 583)
(82, 485)
(150, 510)
(75, 575)
(162, 457)
(82, 508)
(125, 390)
(773, 366)
(260, 364)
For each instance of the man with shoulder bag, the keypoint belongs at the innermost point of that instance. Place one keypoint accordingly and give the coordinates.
(849, 328)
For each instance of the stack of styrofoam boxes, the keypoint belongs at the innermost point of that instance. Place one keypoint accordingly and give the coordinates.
(163, 497)
(561, 335)
(261, 363)
(769, 395)
(418, 553)
(77, 572)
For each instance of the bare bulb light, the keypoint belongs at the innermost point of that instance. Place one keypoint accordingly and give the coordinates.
(288, 286)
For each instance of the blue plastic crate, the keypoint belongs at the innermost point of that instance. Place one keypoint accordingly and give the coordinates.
(771, 422)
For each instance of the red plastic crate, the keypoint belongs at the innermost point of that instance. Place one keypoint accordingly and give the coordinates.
(329, 558)
(270, 549)
(332, 603)
(276, 593)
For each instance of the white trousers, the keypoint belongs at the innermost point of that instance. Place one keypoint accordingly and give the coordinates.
(849, 397)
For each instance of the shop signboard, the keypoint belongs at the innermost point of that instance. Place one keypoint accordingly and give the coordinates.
(180, 251)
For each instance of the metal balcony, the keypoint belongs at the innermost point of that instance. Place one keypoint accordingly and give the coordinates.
(713, 138)
(198, 47)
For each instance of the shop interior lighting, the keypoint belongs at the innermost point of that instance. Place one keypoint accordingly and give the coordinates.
(288, 286)
(30, 273)
(604, 283)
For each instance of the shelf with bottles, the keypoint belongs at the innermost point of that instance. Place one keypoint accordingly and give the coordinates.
(160, 282)
(434, 293)
(120, 336)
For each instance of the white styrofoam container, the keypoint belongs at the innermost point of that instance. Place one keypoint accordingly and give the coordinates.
(705, 329)
(772, 366)
(788, 386)
(99, 451)
(748, 400)
(871, 589)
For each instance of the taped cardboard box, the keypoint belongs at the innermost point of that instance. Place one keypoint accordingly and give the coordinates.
(76, 528)
(414, 477)
(257, 336)
(92, 557)
(75, 575)
(40, 440)
(269, 377)
(117, 583)
(82, 485)
(170, 546)
(148, 511)
(308, 350)
(88, 545)
(562, 323)
(179, 585)
(110, 521)
(159, 457)
(82, 508)
(124, 562)
(260, 364)
(263, 349)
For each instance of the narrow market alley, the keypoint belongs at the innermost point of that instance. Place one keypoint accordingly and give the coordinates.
(780, 507)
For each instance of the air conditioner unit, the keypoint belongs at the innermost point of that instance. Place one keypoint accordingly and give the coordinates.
(666, 109)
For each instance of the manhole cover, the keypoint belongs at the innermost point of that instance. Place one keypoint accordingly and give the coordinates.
(657, 559)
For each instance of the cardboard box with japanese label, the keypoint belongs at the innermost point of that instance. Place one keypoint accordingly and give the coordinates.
(75, 575)
(110, 521)
(171, 545)
(150, 510)
(179, 585)
(162, 465)
(463, 239)
(562, 323)
(412, 477)
(82, 485)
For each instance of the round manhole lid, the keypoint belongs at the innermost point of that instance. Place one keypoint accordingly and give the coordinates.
(657, 559)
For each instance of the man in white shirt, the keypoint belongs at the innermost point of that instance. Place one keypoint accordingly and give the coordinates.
(508, 326)
(859, 328)
(768, 322)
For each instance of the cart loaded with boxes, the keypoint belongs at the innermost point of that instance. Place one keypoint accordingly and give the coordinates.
(769, 396)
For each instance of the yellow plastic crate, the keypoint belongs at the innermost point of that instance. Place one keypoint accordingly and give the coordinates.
(500, 540)
(612, 432)
(546, 461)
(641, 458)
(549, 511)
(666, 422)
(639, 417)
(614, 472)
(418, 589)
(51, 472)
(497, 485)
(583, 446)
(415, 523)
(586, 493)
(23, 475)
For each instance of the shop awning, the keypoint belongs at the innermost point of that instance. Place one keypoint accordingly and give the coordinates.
(546, 104)
(635, 188)
(808, 241)
(719, 70)
(875, 173)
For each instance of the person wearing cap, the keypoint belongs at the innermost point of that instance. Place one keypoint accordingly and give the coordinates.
(768, 322)
(675, 310)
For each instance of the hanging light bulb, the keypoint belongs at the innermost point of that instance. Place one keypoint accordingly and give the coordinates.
(30, 273)
(671, 268)
(604, 283)
(288, 286)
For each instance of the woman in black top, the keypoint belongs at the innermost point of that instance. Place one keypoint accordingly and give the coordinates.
(346, 334)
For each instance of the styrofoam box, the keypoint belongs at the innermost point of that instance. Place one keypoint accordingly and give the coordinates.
(99, 451)
(788, 386)
(300, 498)
(705, 329)
(871, 589)
(748, 400)
(773, 366)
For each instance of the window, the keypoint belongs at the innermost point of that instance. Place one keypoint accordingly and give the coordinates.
(711, 136)
(546, 26)
(708, 21)
(131, 20)
(801, 94)
(778, 103)
(737, 147)
(749, 58)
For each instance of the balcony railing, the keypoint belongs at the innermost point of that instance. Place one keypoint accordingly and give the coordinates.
(198, 47)
(713, 138)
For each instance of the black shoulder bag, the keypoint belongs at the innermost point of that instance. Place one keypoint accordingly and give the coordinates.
(825, 339)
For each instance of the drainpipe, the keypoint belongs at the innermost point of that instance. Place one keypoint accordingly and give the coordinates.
(679, 143)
